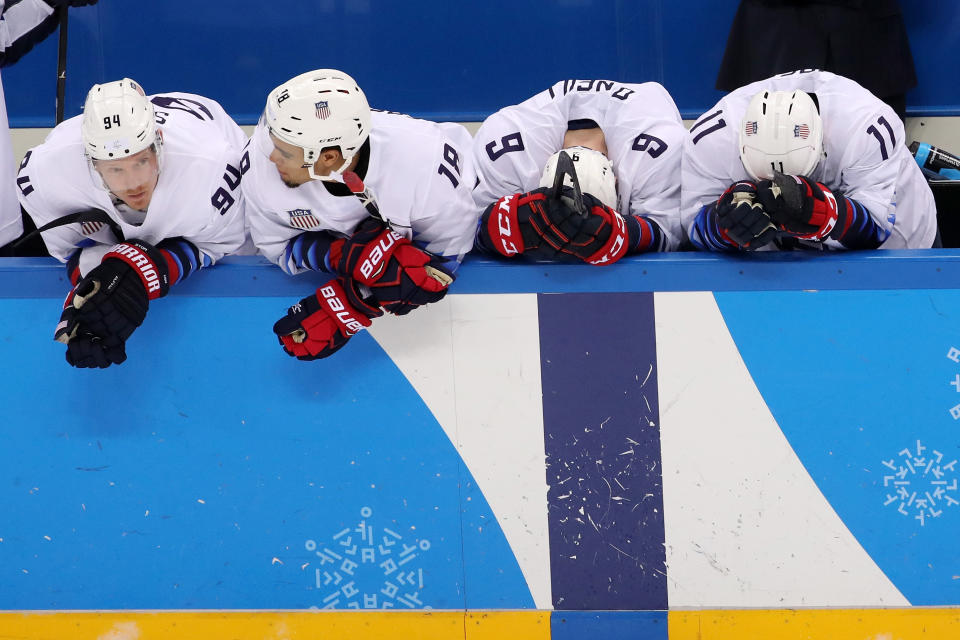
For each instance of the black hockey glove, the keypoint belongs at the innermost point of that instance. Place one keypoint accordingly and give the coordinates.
(112, 300)
(598, 237)
(742, 219)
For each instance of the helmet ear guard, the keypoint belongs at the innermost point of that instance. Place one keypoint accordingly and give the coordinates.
(781, 132)
(594, 172)
(316, 110)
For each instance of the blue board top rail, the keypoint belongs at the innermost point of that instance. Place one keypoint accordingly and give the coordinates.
(245, 276)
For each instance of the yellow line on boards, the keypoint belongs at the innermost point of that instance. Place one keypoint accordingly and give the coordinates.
(275, 625)
(915, 623)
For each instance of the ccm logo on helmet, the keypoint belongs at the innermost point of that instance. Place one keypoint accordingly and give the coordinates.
(372, 264)
(350, 324)
(142, 263)
(503, 224)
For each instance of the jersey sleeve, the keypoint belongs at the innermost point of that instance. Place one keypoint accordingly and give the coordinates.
(44, 199)
(871, 167)
(653, 161)
(709, 156)
(24, 25)
(270, 234)
(224, 231)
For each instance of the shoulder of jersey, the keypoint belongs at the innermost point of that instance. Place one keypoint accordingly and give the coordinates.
(191, 134)
(406, 135)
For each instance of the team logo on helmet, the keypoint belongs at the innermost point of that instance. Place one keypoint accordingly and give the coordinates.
(750, 128)
(303, 219)
(801, 131)
(323, 110)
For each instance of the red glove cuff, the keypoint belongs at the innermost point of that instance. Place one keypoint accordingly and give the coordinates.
(616, 245)
(504, 228)
(824, 213)
(334, 300)
(375, 256)
(137, 255)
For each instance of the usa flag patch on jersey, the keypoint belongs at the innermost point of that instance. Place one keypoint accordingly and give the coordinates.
(323, 109)
(90, 228)
(801, 131)
(303, 219)
(750, 128)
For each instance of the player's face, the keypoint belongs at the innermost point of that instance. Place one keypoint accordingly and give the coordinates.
(289, 162)
(132, 179)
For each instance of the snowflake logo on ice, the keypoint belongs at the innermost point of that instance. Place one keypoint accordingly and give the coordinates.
(365, 573)
(922, 485)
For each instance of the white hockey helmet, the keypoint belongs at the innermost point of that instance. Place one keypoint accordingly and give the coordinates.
(781, 131)
(118, 121)
(594, 172)
(319, 109)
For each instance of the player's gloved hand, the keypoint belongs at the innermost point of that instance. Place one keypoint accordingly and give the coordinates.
(802, 207)
(506, 228)
(543, 226)
(742, 219)
(86, 350)
(111, 301)
(597, 237)
(401, 276)
(320, 324)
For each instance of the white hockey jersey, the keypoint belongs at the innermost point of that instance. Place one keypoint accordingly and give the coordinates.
(866, 156)
(197, 196)
(420, 174)
(643, 132)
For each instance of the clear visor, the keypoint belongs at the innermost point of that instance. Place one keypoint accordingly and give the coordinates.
(134, 173)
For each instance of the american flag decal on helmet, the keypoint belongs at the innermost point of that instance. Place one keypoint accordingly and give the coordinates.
(750, 128)
(90, 228)
(801, 131)
(303, 219)
(323, 109)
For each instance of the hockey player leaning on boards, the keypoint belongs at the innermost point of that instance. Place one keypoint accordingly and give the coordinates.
(803, 160)
(393, 243)
(134, 195)
(625, 141)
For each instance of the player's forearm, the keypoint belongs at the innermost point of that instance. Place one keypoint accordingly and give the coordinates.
(705, 233)
(183, 258)
(644, 235)
(308, 251)
(860, 230)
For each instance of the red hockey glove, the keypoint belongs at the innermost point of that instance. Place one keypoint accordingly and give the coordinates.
(600, 237)
(401, 276)
(545, 227)
(320, 324)
(802, 207)
(505, 226)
